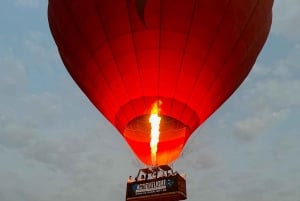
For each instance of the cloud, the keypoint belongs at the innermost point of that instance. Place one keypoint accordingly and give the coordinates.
(81, 151)
(91, 164)
(12, 77)
(41, 47)
(14, 135)
(269, 95)
(250, 188)
(279, 84)
(29, 3)
(286, 20)
(254, 126)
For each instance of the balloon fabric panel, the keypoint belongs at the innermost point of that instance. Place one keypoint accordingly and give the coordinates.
(189, 55)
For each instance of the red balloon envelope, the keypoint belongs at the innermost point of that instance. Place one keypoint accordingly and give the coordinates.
(188, 55)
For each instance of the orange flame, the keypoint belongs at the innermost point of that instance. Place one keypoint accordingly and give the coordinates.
(154, 120)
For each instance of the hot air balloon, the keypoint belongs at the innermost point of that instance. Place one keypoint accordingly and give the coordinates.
(176, 60)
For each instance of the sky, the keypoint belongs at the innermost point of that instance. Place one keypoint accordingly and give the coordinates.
(55, 146)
